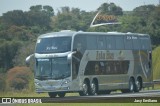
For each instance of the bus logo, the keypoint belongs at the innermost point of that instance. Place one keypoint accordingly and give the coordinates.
(6, 100)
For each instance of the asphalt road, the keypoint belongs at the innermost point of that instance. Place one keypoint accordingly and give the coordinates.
(150, 96)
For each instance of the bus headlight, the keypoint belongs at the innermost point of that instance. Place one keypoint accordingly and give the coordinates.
(66, 81)
(38, 85)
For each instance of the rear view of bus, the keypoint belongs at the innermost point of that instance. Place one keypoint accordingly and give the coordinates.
(52, 67)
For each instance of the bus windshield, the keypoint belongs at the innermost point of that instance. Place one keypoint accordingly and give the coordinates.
(53, 45)
(55, 68)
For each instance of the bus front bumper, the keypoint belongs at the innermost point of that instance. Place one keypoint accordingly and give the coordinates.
(53, 89)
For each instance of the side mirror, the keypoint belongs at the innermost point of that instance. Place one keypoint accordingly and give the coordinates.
(69, 57)
(74, 50)
(28, 59)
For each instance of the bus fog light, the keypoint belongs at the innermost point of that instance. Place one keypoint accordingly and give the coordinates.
(66, 82)
(37, 83)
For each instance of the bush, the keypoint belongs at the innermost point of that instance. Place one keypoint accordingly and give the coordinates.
(18, 78)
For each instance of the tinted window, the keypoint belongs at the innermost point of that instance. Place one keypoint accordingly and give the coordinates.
(145, 43)
(136, 43)
(80, 43)
(53, 45)
(91, 42)
(101, 42)
(107, 67)
(111, 42)
(128, 42)
(119, 42)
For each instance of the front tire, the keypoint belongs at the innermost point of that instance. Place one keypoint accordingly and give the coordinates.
(61, 95)
(52, 94)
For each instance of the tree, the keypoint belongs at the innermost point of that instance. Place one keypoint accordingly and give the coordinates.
(22, 53)
(72, 19)
(15, 17)
(143, 11)
(110, 9)
(36, 8)
(41, 17)
(154, 25)
(49, 10)
(149, 16)
(8, 50)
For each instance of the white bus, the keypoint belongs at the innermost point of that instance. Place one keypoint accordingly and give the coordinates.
(92, 63)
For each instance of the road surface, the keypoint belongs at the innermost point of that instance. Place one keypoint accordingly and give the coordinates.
(150, 96)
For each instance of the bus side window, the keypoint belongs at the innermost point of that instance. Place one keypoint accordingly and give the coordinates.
(119, 42)
(110, 42)
(80, 43)
(128, 42)
(101, 42)
(136, 43)
(145, 43)
(91, 43)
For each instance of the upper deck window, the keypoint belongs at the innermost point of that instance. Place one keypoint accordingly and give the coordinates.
(92, 42)
(128, 42)
(53, 45)
(101, 42)
(111, 44)
(119, 42)
(145, 43)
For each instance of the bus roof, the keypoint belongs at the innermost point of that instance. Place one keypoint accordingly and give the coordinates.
(72, 33)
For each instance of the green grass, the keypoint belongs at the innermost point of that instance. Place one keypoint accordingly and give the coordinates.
(156, 63)
(157, 86)
(22, 94)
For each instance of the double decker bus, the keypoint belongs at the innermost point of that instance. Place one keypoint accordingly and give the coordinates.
(92, 63)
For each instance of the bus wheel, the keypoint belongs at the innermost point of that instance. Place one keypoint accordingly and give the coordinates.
(85, 90)
(138, 85)
(61, 95)
(131, 85)
(94, 88)
(52, 94)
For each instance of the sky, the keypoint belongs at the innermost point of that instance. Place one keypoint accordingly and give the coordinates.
(87, 5)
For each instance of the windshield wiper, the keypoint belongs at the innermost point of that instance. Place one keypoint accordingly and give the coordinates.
(42, 77)
(60, 77)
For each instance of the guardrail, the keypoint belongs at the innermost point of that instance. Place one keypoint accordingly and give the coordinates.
(156, 81)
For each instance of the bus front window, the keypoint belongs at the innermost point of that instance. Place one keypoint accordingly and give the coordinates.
(56, 68)
(43, 69)
(60, 68)
(53, 45)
